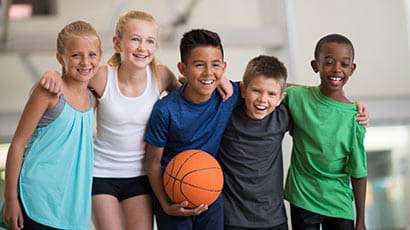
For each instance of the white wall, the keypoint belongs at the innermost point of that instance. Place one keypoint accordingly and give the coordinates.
(378, 30)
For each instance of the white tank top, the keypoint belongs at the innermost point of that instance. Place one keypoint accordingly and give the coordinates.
(119, 147)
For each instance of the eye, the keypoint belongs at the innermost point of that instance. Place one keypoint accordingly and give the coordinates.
(199, 65)
(75, 55)
(135, 39)
(151, 41)
(93, 55)
(256, 90)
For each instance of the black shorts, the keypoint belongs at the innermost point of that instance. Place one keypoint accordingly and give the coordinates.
(283, 226)
(30, 224)
(121, 188)
(304, 219)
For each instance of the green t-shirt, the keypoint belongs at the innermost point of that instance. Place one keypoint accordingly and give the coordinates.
(327, 150)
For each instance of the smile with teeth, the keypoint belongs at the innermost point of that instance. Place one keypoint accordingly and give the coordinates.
(336, 78)
(207, 82)
(260, 107)
(84, 70)
(140, 56)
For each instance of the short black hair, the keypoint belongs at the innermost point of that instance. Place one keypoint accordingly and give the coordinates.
(196, 38)
(337, 38)
(267, 66)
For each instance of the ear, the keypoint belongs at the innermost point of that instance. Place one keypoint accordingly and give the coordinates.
(281, 98)
(224, 66)
(353, 68)
(60, 59)
(314, 66)
(243, 89)
(182, 68)
(116, 44)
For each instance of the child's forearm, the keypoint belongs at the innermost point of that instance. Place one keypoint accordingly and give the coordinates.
(13, 167)
(359, 190)
(154, 171)
(155, 178)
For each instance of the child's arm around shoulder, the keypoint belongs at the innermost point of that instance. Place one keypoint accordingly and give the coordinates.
(225, 88)
(153, 165)
(52, 82)
(363, 115)
(168, 81)
(40, 100)
(99, 80)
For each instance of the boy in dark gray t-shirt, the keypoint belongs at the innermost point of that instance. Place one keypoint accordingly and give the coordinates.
(251, 150)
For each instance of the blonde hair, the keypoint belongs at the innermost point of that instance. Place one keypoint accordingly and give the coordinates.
(115, 59)
(77, 28)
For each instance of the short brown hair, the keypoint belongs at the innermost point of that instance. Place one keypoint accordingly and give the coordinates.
(267, 66)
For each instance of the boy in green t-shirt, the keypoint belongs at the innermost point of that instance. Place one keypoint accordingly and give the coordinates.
(328, 151)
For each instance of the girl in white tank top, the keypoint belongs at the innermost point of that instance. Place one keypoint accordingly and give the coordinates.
(119, 147)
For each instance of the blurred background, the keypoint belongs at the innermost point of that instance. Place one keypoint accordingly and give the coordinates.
(288, 29)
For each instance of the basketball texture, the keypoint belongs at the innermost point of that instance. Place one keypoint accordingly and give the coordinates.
(194, 176)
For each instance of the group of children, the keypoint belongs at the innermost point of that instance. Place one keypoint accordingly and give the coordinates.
(53, 173)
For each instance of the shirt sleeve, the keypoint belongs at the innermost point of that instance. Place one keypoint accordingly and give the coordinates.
(357, 163)
(157, 130)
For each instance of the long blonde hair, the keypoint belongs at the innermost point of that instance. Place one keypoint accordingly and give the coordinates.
(115, 59)
(76, 28)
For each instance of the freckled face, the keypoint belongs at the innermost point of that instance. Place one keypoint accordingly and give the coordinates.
(262, 95)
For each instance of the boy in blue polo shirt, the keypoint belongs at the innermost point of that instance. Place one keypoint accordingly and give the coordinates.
(193, 116)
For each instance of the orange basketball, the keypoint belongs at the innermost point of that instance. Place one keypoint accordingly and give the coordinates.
(194, 176)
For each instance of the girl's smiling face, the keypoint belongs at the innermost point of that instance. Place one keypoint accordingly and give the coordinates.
(81, 57)
(138, 43)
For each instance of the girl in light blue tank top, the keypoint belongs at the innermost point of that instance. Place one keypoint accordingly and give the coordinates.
(50, 160)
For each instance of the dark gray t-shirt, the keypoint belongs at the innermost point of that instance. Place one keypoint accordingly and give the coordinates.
(251, 158)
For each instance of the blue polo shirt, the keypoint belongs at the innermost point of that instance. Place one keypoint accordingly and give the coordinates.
(177, 124)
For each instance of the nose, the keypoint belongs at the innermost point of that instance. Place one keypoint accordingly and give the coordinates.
(141, 46)
(208, 70)
(85, 60)
(262, 97)
(337, 67)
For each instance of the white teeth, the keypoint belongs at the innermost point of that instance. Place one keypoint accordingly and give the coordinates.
(335, 78)
(84, 70)
(139, 56)
(207, 82)
(260, 107)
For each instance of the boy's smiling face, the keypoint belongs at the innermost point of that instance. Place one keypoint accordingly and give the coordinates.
(203, 70)
(335, 66)
(262, 95)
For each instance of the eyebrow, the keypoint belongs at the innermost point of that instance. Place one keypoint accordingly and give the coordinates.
(199, 60)
(151, 37)
(349, 58)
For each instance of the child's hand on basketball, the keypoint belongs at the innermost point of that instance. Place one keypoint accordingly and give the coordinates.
(180, 209)
(51, 81)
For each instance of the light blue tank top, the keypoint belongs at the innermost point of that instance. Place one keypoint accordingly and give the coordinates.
(56, 176)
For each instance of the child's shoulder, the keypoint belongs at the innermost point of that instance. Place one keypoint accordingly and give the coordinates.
(171, 98)
(301, 90)
(41, 97)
